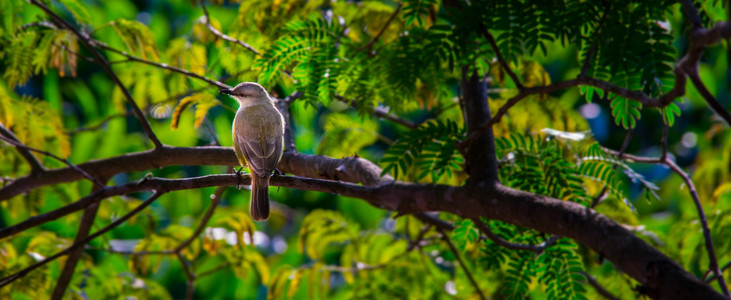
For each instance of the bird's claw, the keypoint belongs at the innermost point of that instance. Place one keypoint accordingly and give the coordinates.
(238, 175)
(277, 172)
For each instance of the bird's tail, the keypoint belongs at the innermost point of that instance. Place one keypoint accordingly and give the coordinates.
(259, 206)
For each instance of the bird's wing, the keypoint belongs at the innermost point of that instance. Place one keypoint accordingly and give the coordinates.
(262, 153)
(237, 148)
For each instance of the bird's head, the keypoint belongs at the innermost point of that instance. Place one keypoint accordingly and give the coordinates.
(247, 93)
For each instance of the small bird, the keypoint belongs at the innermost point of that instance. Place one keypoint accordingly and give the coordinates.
(258, 139)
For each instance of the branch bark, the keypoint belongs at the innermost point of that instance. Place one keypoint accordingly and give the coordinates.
(480, 155)
(662, 277)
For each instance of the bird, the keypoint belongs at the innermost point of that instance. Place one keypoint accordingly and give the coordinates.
(258, 140)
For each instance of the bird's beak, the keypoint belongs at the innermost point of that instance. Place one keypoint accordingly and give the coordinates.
(225, 91)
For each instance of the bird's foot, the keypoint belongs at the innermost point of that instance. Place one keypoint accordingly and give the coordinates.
(277, 172)
(238, 175)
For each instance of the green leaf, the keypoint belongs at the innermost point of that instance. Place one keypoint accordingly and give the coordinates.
(464, 234)
(626, 112)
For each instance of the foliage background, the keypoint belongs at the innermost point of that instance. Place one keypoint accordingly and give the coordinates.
(69, 107)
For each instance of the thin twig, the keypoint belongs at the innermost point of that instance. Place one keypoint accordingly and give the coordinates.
(224, 36)
(189, 274)
(597, 36)
(87, 42)
(160, 65)
(86, 58)
(600, 289)
(712, 278)
(211, 131)
(204, 220)
(373, 41)
(713, 261)
(663, 142)
(284, 105)
(35, 166)
(710, 99)
(213, 270)
(510, 245)
(604, 190)
(63, 160)
(69, 266)
(17, 275)
(462, 263)
(491, 40)
(98, 125)
(419, 237)
(381, 113)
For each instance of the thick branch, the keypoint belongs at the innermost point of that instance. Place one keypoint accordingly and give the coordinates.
(479, 155)
(167, 185)
(87, 42)
(661, 276)
(350, 169)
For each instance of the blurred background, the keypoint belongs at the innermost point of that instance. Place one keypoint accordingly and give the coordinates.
(91, 112)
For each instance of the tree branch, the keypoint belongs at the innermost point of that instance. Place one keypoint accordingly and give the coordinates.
(349, 169)
(462, 264)
(49, 154)
(215, 31)
(491, 40)
(283, 105)
(373, 41)
(604, 190)
(189, 274)
(480, 157)
(165, 66)
(35, 165)
(710, 99)
(10, 278)
(724, 268)
(514, 246)
(607, 86)
(87, 42)
(381, 113)
(700, 38)
(85, 224)
(713, 261)
(600, 289)
(590, 53)
(662, 276)
(204, 220)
